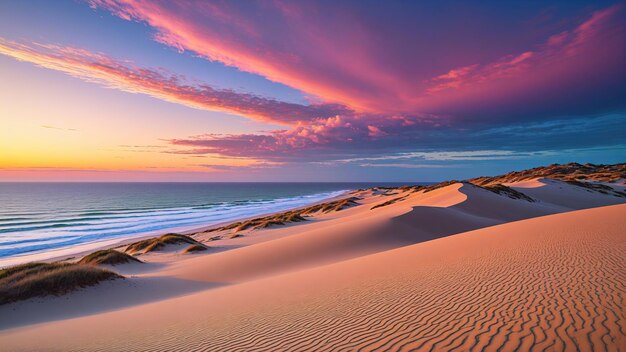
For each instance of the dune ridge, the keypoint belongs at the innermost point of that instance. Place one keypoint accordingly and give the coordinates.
(564, 172)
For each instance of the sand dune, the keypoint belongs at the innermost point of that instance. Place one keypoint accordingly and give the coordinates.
(565, 195)
(361, 231)
(555, 283)
(511, 274)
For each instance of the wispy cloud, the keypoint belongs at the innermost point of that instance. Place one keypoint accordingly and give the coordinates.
(58, 128)
(124, 75)
(408, 166)
(443, 156)
(248, 167)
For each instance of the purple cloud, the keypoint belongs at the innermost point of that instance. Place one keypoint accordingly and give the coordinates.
(405, 58)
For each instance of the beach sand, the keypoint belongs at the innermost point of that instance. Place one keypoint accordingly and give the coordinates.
(455, 268)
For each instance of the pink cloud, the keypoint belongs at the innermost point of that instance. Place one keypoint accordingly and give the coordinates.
(319, 139)
(123, 75)
(375, 131)
(344, 56)
(338, 70)
(568, 69)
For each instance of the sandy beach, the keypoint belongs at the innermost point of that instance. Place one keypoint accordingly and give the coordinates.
(457, 267)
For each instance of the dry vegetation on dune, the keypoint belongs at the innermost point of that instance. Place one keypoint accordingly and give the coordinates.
(495, 188)
(158, 243)
(41, 279)
(194, 248)
(499, 189)
(507, 191)
(393, 189)
(108, 257)
(268, 221)
(604, 189)
(411, 189)
(389, 202)
(572, 173)
(330, 206)
(564, 172)
(287, 217)
(427, 189)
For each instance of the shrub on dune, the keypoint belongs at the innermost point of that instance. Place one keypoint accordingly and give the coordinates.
(293, 217)
(438, 186)
(108, 257)
(389, 202)
(40, 279)
(507, 191)
(268, 223)
(157, 243)
(245, 225)
(333, 206)
(288, 217)
(194, 248)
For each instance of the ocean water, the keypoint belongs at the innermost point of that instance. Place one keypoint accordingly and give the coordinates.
(40, 217)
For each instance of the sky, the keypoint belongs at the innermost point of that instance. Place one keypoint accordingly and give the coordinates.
(134, 90)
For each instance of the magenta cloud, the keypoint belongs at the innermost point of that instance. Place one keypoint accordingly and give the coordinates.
(407, 80)
(384, 79)
(346, 54)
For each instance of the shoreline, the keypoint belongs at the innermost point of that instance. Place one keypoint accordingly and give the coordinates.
(83, 249)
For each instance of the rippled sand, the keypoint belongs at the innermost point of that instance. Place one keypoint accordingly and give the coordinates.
(554, 282)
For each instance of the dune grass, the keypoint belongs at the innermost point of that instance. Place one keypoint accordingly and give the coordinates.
(564, 172)
(108, 257)
(438, 186)
(507, 191)
(389, 202)
(287, 217)
(194, 248)
(598, 187)
(158, 243)
(40, 279)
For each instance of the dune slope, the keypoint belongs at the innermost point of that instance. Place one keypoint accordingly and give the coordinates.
(556, 282)
(359, 231)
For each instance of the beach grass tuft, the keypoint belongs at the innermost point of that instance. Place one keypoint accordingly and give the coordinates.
(195, 248)
(157, 243)
(40, 279)
(287, 217)
(108, 257)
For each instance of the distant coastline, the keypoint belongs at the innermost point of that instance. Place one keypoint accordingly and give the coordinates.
(176, 219)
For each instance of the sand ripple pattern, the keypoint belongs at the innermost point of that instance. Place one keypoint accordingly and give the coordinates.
(558, 287)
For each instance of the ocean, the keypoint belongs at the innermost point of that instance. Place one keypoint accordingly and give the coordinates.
(40, 217)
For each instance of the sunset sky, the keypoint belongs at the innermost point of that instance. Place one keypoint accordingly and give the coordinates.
(132, 90)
